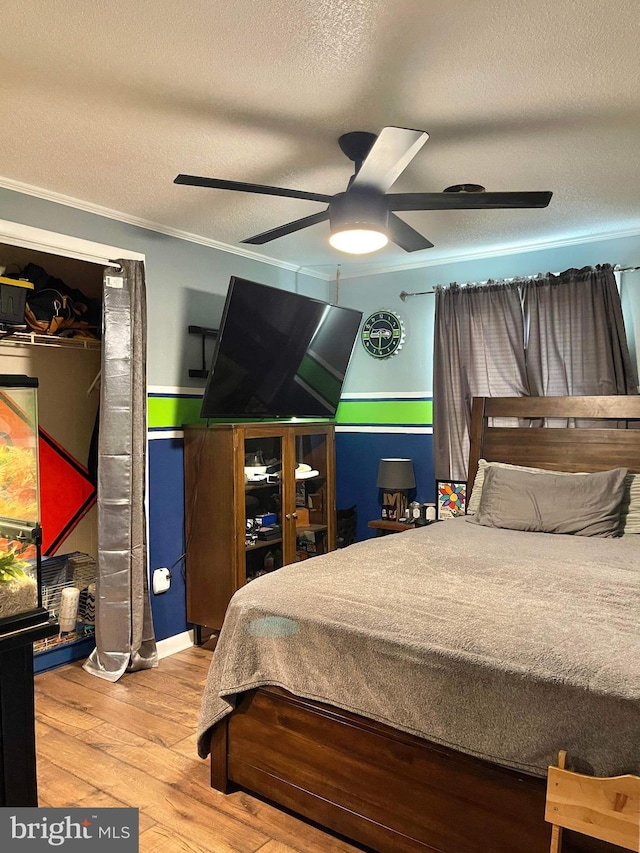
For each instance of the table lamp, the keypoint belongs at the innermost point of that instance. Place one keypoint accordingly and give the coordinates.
(395, 477)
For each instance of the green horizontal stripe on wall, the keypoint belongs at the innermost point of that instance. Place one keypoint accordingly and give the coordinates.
(167, 412)
(399, 412)
(172, 412)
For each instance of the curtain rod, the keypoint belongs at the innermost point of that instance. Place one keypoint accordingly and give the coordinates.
(404, 295)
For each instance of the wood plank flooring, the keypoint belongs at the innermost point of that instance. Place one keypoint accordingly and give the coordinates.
(133, 743)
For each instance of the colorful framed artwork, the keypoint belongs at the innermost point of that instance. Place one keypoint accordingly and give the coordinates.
(451, 499)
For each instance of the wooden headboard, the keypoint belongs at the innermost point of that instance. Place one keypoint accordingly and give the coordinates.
(597, 449)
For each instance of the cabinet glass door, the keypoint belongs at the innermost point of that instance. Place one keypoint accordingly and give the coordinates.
(312, 500)
(263, 505)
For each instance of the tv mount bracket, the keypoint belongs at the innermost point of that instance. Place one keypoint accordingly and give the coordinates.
(205, 333)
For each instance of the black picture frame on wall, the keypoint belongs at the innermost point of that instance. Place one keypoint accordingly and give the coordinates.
(451, 498)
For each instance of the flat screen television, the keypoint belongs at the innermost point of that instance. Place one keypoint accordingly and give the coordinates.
(278, 355)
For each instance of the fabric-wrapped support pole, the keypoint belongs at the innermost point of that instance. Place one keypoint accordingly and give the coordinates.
(124, 628)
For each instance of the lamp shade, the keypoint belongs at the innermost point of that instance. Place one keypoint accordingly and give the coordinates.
(395, 474)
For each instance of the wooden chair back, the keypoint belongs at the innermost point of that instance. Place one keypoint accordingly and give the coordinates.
(604, 808)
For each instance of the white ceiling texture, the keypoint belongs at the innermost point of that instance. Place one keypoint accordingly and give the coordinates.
(108, 101)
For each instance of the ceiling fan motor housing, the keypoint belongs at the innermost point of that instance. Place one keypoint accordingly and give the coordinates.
(360, 207)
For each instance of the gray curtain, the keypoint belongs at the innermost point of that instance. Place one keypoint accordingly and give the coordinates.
(478, 351)
(124, 629)
(555, 335)
(577, 344)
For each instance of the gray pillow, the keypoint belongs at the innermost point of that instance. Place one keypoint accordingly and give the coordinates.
(629, 508)
(542, 502)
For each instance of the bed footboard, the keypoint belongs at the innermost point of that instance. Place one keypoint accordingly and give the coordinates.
(383, 788)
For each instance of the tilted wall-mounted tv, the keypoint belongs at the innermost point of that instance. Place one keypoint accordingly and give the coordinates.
(278, 355)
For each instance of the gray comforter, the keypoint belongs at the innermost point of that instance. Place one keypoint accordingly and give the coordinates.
(500, 644)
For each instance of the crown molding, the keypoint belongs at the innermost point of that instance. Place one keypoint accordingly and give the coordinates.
(149, 225)
(495, 252)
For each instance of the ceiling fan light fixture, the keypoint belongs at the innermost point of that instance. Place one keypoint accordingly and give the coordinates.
(359, 222)
(358, 241)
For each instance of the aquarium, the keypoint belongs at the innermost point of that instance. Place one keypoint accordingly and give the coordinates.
(20, 532)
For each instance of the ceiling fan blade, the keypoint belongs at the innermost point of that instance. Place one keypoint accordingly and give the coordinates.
(390, 155)
(214, 183)
(405, 236)
(289, 228)
(466, 201)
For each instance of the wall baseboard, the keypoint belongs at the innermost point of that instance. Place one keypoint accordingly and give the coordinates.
(172, 645)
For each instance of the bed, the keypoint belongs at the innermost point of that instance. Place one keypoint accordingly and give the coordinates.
(520, 659)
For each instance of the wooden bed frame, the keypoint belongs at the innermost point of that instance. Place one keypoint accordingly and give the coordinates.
(388, 790)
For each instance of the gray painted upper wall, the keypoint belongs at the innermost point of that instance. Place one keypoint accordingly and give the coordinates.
(410, 370)
(186, 281)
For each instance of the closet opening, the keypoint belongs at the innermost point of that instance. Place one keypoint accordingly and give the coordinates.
(67, 367)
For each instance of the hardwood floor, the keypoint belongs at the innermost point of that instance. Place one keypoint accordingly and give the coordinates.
(133, 743)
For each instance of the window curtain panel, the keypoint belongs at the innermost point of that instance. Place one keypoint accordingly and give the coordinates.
(554, 335)
(124, 628)
(576, 343)
(478, 351)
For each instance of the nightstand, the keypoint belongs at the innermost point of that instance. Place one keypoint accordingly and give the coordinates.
(383, 526)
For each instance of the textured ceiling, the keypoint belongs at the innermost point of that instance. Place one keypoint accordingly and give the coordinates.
(107, 102)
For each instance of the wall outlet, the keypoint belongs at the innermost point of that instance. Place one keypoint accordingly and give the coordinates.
(161, 580)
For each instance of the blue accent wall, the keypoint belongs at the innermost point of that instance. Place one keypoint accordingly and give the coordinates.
(357, 458)
(166, 533)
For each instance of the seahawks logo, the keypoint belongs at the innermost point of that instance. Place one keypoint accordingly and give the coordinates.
(383, 334)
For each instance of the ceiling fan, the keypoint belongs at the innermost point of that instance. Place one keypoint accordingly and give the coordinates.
(363, 218)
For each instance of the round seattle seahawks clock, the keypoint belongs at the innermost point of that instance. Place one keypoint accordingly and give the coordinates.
(383, 334)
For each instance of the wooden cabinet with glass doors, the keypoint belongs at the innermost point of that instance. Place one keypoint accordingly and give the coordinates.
(258, 496)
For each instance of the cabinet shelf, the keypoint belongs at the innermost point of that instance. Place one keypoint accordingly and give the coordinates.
(218, 502)
(266, 543)
(263, 543)
(263, 484)
(250, 487)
